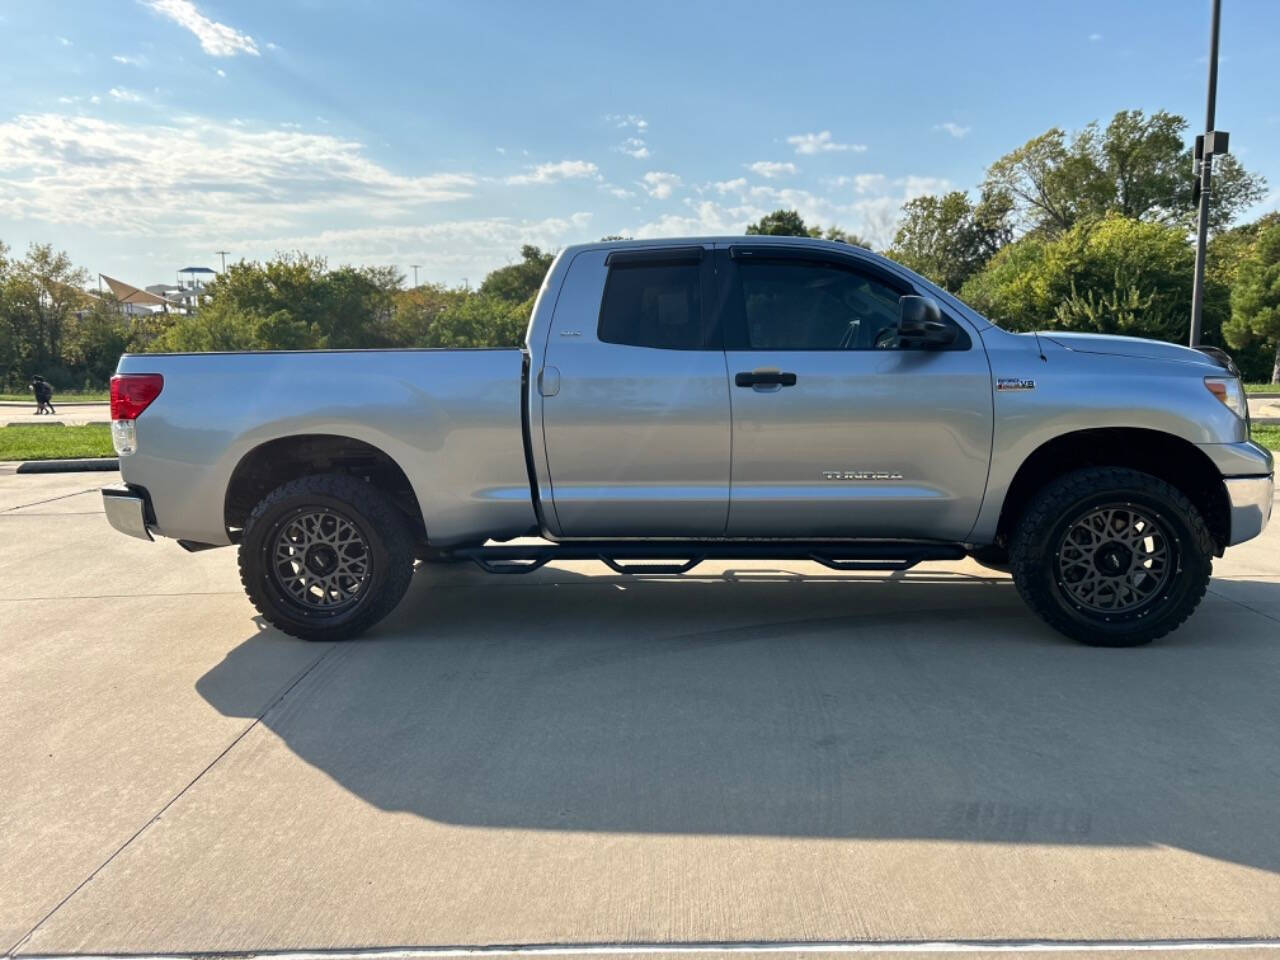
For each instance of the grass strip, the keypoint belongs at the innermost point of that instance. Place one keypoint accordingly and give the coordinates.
(55, 443)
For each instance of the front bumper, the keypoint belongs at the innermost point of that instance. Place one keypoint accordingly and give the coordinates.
(128, 510)
(1251, 500)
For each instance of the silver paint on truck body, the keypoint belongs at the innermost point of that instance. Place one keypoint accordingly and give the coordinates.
(451, 419)
(637, 442)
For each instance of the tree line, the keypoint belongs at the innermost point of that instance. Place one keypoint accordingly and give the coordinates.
(1088, 231)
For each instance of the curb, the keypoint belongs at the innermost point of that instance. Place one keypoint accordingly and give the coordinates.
(68, 466)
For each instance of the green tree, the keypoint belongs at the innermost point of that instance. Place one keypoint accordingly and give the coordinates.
(780, 223)
(789, 223)
(291, 302)
(97, 336)
(1117, 275)
(948, 239)
(1255, 298)
(1137, 167)
(840, 235)
(41, 293)
(519, 281)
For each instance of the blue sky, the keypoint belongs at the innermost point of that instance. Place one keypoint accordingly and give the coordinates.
(143, 135)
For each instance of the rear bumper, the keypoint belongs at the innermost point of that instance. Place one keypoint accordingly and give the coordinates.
(128, 510)
(1251, 500)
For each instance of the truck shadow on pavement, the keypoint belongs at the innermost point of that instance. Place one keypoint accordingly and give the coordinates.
(918, 706)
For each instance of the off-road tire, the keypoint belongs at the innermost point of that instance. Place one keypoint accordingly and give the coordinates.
(385, 532)
(1038, 538)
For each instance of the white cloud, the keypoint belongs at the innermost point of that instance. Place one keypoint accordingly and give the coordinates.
(821, 142)
(659, 184)
(450, 250)
(64, 41)
(872, 212)
(216, 39)
(770, 169)
(915, 186)
(634, 147)
(622, 193)
(129, 59)
(954, 129)
(95, 99)
(625, 120)
(212, 180)
(220, 72)
(870, 182)
(553, 172)
(1095, 37)
(125, 95)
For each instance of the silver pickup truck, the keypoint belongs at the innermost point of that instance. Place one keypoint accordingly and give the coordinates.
(678, 400)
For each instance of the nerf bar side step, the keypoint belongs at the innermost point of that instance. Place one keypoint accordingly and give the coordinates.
(687, 554)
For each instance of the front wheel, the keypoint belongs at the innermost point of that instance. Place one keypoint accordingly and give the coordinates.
(325, 557)
(1111, 557)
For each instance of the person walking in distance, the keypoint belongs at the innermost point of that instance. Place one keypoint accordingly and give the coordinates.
(44, 395)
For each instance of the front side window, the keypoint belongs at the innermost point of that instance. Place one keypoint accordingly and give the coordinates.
(654, 305)
(799, 305)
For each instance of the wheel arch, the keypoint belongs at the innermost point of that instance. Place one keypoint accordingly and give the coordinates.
(279, 460)
(1172, 459)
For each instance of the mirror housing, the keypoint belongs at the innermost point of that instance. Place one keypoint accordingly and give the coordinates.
(920, 320)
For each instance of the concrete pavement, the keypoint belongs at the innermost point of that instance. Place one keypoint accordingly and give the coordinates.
(69, 414)
(756, 752)
(1265, 409)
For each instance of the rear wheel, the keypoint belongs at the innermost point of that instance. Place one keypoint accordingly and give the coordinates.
(325, 557)
(1111, 556)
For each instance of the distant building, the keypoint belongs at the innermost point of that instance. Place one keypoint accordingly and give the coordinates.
(183, 296)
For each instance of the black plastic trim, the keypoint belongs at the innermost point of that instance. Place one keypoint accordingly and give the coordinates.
(656, 255)
(687, 554)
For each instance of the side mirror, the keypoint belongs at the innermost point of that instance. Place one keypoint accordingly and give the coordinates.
(920, 320)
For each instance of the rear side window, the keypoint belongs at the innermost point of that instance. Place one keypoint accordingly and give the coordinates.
(654, 305)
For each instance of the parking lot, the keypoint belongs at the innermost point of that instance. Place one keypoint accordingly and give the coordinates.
(753, 753)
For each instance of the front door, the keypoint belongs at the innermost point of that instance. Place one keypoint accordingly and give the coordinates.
(637, 420)
(838, 431)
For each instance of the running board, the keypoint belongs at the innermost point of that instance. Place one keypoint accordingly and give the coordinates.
(687, 554)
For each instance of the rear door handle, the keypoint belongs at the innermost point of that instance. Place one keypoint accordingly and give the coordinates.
(764, 378)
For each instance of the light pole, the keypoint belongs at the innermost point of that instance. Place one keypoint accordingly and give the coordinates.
(223, 255)
(415, 273)
(1208, 144)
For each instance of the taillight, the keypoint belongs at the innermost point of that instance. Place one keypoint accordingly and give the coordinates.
(131, 393)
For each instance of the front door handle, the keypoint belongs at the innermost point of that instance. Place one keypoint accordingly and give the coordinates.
(764, 378)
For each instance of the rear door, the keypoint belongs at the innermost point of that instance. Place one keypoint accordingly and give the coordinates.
(635, 399)
(838, 430)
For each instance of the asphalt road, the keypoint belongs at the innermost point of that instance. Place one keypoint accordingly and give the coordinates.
(754, 753)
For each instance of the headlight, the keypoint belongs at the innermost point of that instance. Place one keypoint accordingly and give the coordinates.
(1230, 392)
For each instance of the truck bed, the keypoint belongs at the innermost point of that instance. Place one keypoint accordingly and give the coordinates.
(451, 418)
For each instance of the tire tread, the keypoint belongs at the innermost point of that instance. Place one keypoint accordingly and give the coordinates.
(389, 525)
(1049, 505)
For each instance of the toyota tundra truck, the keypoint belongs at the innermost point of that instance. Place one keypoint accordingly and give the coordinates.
(679, 400)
